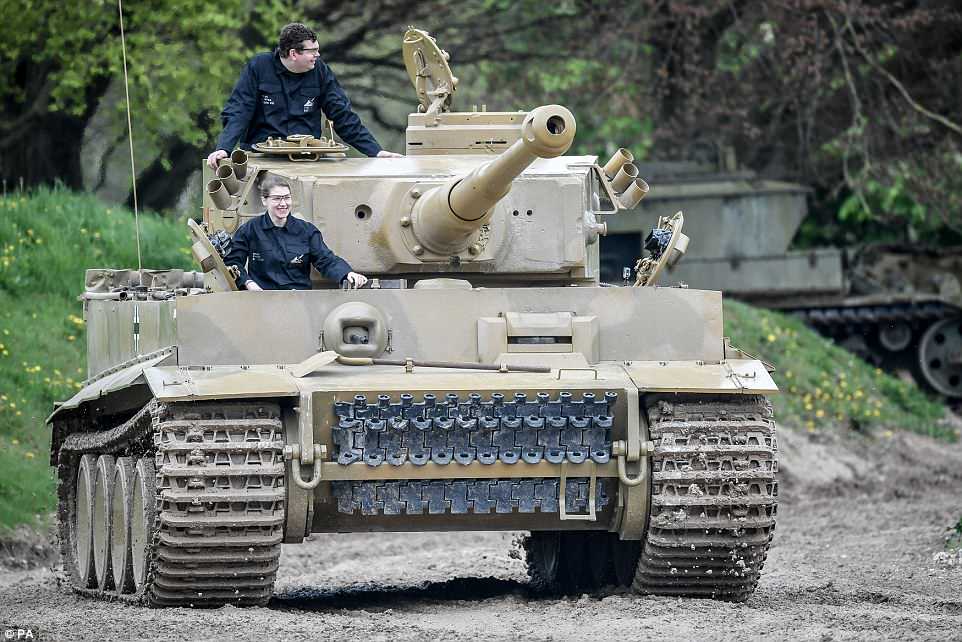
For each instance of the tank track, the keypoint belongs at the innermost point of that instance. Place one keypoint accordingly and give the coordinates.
(713, 498)
(841, 316)
(477, 429)
(220, 500)
(462, 496)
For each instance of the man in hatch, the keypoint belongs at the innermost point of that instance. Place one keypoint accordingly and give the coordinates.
(275, 251)
(284, 93)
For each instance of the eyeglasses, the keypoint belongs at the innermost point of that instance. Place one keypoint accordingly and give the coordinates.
(279, 199)
(314, 51)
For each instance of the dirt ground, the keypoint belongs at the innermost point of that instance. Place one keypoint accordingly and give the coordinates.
(858, 554)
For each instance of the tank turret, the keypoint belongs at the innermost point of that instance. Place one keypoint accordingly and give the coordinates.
(446, 216)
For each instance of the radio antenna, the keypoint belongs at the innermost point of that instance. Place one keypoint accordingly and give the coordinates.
(130, 137)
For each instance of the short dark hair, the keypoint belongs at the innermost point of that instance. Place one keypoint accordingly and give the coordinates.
(293, 37)
(271, 181)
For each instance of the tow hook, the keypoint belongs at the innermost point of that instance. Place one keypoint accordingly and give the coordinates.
(292, 453)
(620, 450)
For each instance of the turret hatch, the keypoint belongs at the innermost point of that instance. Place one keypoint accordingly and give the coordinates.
(427, 65)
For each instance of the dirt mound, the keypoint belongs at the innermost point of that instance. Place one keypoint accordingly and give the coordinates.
(26, 548)
(894, 464)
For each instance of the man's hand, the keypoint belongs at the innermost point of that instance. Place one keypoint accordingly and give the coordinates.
(386, 154)
(214, 157)
(253, 287)
(355, 280)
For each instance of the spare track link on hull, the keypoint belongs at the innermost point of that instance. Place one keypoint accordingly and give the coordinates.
(460, 496)
(713, 497)
(220, 500)
(451, 429)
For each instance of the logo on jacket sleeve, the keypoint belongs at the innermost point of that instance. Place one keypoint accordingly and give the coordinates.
(298, 260)
(309, 105)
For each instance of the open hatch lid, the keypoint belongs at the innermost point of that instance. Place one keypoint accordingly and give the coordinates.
(427, 65)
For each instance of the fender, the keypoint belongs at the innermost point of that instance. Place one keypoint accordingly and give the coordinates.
(113, 379)
(194, 383)
(746, 376)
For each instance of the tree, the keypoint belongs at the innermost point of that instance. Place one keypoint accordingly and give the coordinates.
(857, 97)
(183, 58)
(65, 56)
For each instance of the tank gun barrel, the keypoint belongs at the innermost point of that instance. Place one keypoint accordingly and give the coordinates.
(447, 215)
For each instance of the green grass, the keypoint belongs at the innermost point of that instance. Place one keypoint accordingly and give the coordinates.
(825, 387)
(47, 240)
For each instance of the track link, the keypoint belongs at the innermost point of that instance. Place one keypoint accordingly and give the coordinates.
(220, 504)
(713, 498)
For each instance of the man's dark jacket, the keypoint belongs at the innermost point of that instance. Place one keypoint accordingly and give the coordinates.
(269, 100)
(280, 258)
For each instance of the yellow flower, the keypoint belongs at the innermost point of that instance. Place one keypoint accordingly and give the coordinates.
(771, 338)
(71, 337)
(15, 442)
(29, 455)
(819, 413)
(13, 405)
(888, 434)
(19, 413)
(808, 406)
(788, 374)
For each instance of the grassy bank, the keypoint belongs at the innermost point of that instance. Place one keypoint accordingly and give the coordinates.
(47, 240)
(824, 387)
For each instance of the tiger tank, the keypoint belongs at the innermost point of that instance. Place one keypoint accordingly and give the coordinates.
(485, 380)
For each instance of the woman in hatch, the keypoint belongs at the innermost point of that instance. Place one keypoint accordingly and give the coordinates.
(275, 251)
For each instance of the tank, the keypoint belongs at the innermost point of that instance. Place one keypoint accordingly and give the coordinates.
(486, 380)
(896, 306)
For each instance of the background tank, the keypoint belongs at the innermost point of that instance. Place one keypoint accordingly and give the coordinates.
(899, 307)
(486, 381)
